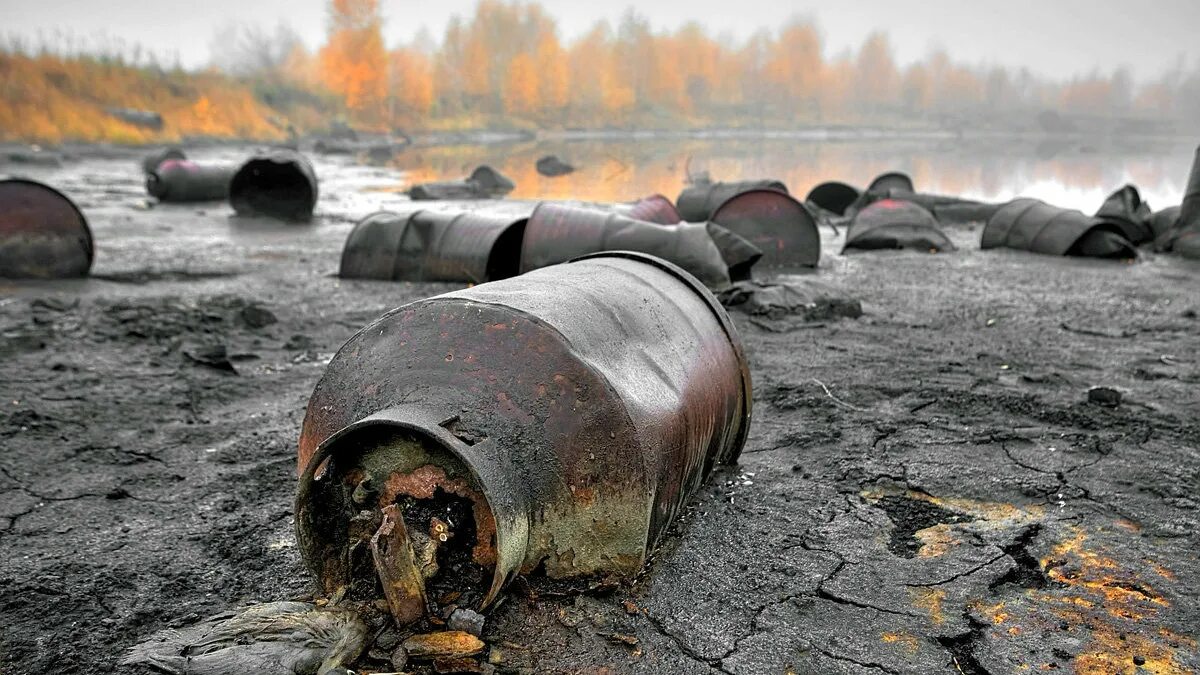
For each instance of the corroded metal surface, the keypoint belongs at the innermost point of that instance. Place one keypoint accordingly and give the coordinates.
(776, 223)
(653, 209)
(891, 223)
(474, 246)
(1184, 235)
(833, 196)
(180, 180)
(698, 201)
(585, 402)
(279, 184)
(43, 235)
(150, 162)
(1033, 225)
(1126, 209)
(558, 232)
(892, 180)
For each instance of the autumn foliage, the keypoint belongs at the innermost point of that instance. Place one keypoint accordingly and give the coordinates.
(508, 66)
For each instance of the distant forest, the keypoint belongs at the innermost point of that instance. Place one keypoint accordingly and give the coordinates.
(506, 67)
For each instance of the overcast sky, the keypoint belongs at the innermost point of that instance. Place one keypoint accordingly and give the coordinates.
(1058, 38)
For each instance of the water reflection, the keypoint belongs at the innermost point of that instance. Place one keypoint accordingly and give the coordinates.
(1070, 174)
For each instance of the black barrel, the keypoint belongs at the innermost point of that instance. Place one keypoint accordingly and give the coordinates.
(559, 232)
(473, 246)
(278, 184)
(891, 223)
(43, 235)
(833, 196)
(150, 162)
(515, 421)
(698, 201)
(178, 180)
(776, 223)
(892, 180)
(1033, 225)
(1126, 209)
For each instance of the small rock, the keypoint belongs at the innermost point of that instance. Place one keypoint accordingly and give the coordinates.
(213, 356)
(452, 643)
(1139, 661)
(467, 621)
(399, 659)
(255, 317)
(299, 343)
(1105, 396)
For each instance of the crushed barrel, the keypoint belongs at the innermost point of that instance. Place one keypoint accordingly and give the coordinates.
(43, 235)
(653, 209)
(1126, 209)
(1033, 225)
(776, 223)
(698, 201)
(279, 184)
(484, 182)
(833, 196)
(511, 428)
(890, 223)
(559, 232)
(180, 180)
(473, 246)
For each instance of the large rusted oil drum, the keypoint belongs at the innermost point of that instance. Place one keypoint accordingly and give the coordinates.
(890, 223)
(698, 201)
(43, 235)
(554, 422)
(559, 232)
(179, 180)
(474, 246)
(278, 184)
(833, 196)
(777, 224)
(1033, 225)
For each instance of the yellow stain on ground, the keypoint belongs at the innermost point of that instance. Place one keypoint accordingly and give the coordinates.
(909, 641)
(930, 600)
(936, 540)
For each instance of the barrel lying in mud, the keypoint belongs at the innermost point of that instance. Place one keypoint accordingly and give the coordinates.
(434, 246)
(178, 180)
(892, 180)
(698, 201)
(557, 233)
(150, 162)
(43, 235)
(278, 184)
(833, 196)
(511, 428)
(946, 209)
(890, 223)
(484, 182)
(1033, 225)
(776, 223)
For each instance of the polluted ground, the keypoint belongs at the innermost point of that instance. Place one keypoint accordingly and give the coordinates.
(308, 412)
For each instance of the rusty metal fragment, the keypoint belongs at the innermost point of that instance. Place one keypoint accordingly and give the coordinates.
(278, 184)
(557, 233)
(43, 235)
(653, 209)
(699, 201)
(474, 246)
(396, 565)
(451, 643)
(1033, 225)
(737, 251)
(776, 223)
(833, 196)
(484, 182)
(518, 419)
(180, 180)
(891, 223)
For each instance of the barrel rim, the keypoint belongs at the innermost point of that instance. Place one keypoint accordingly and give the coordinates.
(87, 229)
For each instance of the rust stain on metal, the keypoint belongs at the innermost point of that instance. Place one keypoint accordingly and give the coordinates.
(396, 565)
(774, 222)
(43, 235)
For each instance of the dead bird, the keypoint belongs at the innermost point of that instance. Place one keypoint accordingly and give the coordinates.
(275, 638)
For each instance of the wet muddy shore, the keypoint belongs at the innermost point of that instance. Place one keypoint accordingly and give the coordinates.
(925, 489)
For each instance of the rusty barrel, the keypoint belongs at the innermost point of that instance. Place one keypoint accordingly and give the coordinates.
(180, 180)
(278, 184)
(1033, 225)
(473, 246)
(43, 235)
(1126, 209)
(698, 201)
(150, 162)
(653, 209)
(559, 232)
(554, 421)
(776, 223)
(833, 196)
(890, 223)
(892, 180)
